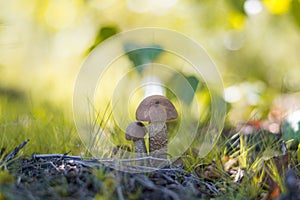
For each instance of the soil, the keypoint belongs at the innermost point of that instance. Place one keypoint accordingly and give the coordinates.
(66, 177)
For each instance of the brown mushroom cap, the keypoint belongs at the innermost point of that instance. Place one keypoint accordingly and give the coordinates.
(157, 113)
(135, 131)
(143, 111)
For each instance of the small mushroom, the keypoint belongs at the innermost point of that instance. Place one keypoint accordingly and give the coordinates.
(157, 110)
(136, 131)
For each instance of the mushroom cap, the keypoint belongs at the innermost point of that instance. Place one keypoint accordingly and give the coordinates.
(157, 113)
(143, 110)
(135, 131)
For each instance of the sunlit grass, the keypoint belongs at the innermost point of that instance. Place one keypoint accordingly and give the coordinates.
(46, 126)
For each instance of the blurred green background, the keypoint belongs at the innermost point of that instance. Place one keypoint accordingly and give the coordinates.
(254, 43)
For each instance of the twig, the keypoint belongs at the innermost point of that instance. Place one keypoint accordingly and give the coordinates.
(54, 166)
(110, 162)
(47, 156)
(15, 151)
(101, 160)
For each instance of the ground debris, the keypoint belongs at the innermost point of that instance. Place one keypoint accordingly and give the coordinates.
(69, 177)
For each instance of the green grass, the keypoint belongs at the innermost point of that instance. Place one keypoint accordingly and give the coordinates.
(46, 126)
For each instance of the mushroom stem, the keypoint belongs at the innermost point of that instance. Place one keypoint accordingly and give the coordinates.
(141, 151)
(158, 135)
(158, 139)
(140, 148)
(136, 131)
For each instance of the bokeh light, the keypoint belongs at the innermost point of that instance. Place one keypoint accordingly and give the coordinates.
(253, 7)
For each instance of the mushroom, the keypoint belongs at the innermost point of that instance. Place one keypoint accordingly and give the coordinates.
(156, 110)
(136, 131)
